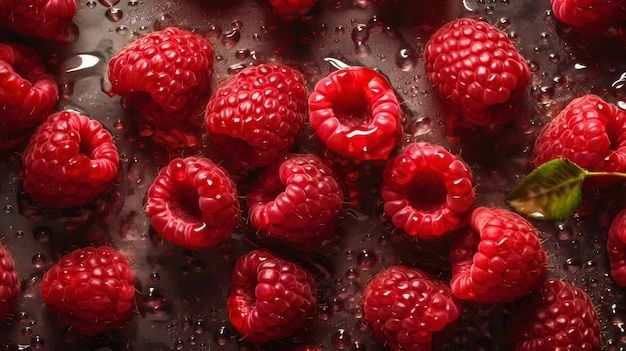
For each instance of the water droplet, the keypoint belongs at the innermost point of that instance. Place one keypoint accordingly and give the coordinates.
(39, 260)
(342, 339)
(22, 316)
(360, 34)
(27, 331)
(37, 343)
(214, 33)
(200, 326)
(122, 30)
(324, 311)
(406, 59)
(42, 234)
(19, 234)
(236, 25)
(155, 277)
(119, 125)
(222, 336)
(340, 30)
(154, 306)
(366, 259)
(572, 265)
(109, 3)
(133, 2)
(179, 345)
(90, 4)
(352, 273)
(113, 14)
(231, 38)
(242, 54)
(8, 209)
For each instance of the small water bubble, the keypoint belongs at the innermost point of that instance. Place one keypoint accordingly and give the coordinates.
(489, 10)
(352, 273)
(19, 234)
(340, 30)
(406, 59)
(237, 25)
(118, 125)
(114, 14)
(360, 34)
(22, 316)
(544, 37)
(133, 2)
(324, 311)
(155, 277)
(366, 259)
(342, 339)
(179, 345)
(164, 21)
(39, 260)
(572, 265)
(42, 234)
(155, 306)
(37, 343)
(256, 37)
(554, 57)
(222, 336)
(90, 4)
(27, 331)
(242, 54)
(122, 30)
(504, 23)
(8, 209)
(375, 25)
(231, 38)
(200, 326)
(109, 3)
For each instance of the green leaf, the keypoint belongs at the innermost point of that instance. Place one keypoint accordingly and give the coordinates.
(552, 192)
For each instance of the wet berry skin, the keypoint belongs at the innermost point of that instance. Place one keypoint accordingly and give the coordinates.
(559, 316)
(498, 259)
(355, 112)
(48, 19)
(589, 132)
(406, 308)
(477, 70)
(616, 248)
(427, 191)
(257, 115)
(295, 203)
(90, 289)
(193, 203)
(9, 282)
(270, 297)
(589, 15)
(69, 161)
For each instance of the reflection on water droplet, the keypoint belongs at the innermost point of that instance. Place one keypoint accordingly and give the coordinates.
(90, 4)
(37, 343)
(342, 339)
(572, 265)
(19, 234)
(406, 59)
(340, 30)
(39, 260)
(122, 30)
(366, 259)
(242, 54)
(155, 277)
(231, 38)
(166, 20)
(133, 2)
(113, 14)
(27, 331)
(222, 336)
(42, 234)
(360, 34)
(109, 3)
(8, 209)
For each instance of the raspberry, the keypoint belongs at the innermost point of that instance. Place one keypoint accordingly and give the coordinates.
(270, 297)
(559, 317)
(9, 282)
(427, 191)
(296, 202)
(69, 161)
(48, 19)
(407, 308)
(193, 203)
(165, 75)
(498, 260)
(477, 69)
(257, 115)
(290, 9)
(589, 15)
(90, 289)
(355, 112)
(589, 132)
(616, 247)
(28, 93)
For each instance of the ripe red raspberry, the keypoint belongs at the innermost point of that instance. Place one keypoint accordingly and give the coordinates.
(589, 132)
(589, 15)
(270, 297)
(290, 9)
(28, 93)
(9, 282)
(69, 161)
(193, 203)
(295, 202)
(477, 69)
(427, 191)
(559, 317)
(90, 289)
(408, 309)
(356, 113)
(47, 19)
(616, 247)
(173, 66)
(257, 115)
(498, 260)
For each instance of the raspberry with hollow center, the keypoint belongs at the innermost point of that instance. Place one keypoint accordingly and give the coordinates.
(269, 297)
(193, 203)
(355, 112)
(70, 160)
(427, 191)
(498, 260)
